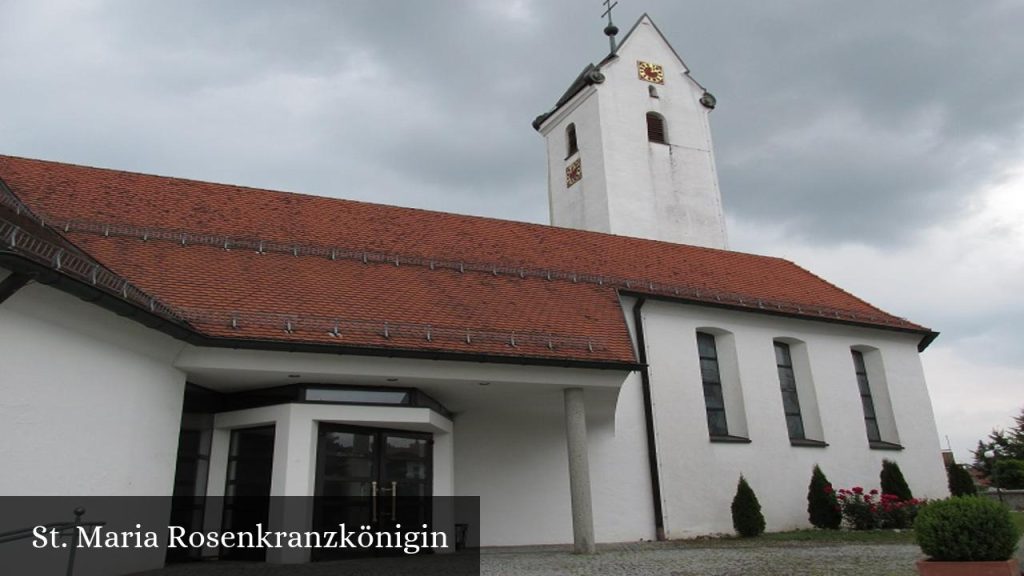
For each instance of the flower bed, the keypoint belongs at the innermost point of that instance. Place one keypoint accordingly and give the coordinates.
(870, 510)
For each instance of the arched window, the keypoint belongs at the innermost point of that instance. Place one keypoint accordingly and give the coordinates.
(570, 140)
(656, 128)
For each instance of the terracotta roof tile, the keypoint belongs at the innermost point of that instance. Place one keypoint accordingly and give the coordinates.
(584, 317)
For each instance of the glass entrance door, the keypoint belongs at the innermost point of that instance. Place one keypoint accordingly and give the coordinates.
(371, 477)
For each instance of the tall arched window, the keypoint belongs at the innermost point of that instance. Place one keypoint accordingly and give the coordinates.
(656, 128)
(570, 140)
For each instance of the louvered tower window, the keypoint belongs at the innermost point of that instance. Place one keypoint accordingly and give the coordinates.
(570, 140)
(656, 128)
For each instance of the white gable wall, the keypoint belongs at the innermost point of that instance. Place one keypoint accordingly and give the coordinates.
(89, 402)
(699, 476)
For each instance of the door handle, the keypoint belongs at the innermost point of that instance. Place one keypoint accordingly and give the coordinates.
(394, 499)
(374, 498)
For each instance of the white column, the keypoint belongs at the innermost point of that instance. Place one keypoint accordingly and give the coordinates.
(292, 480)
(579, 472)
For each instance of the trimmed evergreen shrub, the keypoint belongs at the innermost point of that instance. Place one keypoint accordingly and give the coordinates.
(966, 529)
(960, 481)
(1009, 474)
(822, 506)
(893, 482)
(746, 511)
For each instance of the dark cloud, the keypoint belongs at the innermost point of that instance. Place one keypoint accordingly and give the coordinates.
(885, 113)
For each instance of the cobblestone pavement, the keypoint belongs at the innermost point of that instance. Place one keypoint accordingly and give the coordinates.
(661, 559)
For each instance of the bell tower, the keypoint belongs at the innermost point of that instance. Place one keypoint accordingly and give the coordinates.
(629, 146)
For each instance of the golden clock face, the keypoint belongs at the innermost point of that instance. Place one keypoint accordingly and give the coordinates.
(653, 73)
(573, 173)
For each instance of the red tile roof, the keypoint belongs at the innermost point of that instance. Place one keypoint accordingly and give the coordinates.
(249, 264)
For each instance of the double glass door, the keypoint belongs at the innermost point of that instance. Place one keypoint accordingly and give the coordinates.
(366, 476)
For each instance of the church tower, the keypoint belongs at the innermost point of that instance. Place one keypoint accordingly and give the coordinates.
(629, 147)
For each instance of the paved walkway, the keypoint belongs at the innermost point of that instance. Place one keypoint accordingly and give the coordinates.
(657, 559)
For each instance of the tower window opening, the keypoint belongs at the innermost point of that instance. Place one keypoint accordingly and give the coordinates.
(570, 140)
(652, 91)
(656, 128)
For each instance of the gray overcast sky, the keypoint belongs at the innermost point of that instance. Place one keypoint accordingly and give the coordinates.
(878, 143)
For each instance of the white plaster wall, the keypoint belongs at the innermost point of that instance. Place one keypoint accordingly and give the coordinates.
(699, 477)
(663, 192)
(513, 456)
(89, 402)
(584, 205)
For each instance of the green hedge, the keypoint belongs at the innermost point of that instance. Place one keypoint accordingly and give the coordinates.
(966, 528)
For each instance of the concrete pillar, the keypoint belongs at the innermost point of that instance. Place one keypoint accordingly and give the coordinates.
(293, 475)
(579, 472)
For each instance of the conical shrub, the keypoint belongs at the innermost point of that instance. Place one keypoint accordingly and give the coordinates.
(746, 511)
(822, 505)
(893, 481)
(960, 481)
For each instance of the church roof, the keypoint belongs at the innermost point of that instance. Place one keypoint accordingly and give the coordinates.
(229, 265)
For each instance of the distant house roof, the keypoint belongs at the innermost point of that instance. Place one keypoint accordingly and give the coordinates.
(244, 265)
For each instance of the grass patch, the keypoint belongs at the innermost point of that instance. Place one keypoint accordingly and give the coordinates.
(1018, 519)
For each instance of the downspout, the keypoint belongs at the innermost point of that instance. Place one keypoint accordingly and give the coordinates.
(652, 449)
(16, 281)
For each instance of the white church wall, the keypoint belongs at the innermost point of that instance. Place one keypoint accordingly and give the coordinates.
(89, 402)
(514, 457)
(699, 476)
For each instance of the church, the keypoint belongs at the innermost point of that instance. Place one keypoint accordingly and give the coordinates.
(606, 378)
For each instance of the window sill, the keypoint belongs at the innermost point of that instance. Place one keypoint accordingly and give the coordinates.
(879, 445)
(807, 443)
(727, 439)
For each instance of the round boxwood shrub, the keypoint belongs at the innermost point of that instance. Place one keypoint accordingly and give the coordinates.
(822, 506)
(966, 529)
(746, 511)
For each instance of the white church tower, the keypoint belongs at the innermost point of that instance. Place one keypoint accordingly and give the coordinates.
(629, 147)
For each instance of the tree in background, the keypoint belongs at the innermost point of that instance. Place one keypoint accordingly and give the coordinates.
(822, 506)
(893, 481)
(1007, 445)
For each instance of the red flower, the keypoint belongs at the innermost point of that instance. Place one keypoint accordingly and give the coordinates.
(858, 490)
(828, 489)
(874, 491)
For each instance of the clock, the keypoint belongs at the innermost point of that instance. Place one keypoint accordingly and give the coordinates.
(573, 173)
(653, 73)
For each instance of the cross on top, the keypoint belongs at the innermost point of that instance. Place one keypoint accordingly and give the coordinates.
(610, 30)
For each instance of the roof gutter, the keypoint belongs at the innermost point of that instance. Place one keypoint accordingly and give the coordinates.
(652, 447)
(25, 267)
(927, 336)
